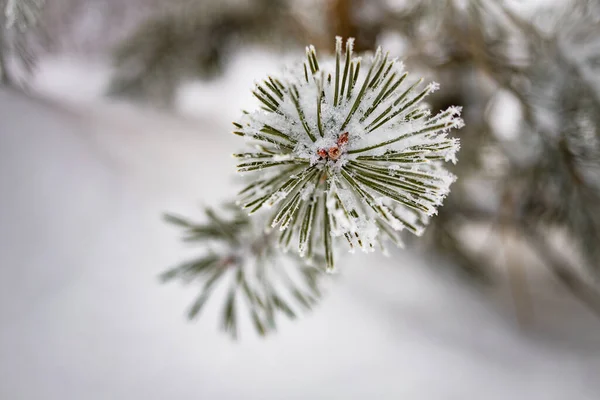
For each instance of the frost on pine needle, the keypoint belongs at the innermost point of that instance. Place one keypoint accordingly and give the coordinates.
(345, 148)
(241, 261)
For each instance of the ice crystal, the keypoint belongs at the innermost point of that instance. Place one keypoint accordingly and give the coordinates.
(346, 148)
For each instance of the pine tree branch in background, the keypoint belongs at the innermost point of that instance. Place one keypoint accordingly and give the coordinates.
(4, 76)
(194, 42)
(343, 22)
(555, 164)
(562, 270)
(240, 257)
(16, 21)
(22, 14)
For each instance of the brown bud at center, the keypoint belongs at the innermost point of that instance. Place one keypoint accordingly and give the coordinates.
(334, 152)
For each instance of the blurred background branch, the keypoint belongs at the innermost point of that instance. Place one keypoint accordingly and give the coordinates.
(17, 19)
(239, 254)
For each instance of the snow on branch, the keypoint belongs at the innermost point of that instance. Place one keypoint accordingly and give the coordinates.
(344, 148)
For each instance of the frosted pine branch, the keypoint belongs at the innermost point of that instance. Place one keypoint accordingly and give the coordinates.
(238, 256)
(345, 148)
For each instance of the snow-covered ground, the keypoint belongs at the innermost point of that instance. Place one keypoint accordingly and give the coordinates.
(83, 183)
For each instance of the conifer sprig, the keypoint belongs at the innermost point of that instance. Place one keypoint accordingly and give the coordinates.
(341, 151)
(242, 259)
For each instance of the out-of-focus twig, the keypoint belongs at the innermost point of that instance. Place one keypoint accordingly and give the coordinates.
(562, 270)
(552, 259)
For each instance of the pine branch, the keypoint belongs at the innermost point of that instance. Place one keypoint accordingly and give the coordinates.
(193, 42)
(17, 20)
(331, 164)
(563, 271)
(368, 164)
(22, 14)
(239, 255)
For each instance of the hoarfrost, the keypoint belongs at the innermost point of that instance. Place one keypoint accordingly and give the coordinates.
(366, 142)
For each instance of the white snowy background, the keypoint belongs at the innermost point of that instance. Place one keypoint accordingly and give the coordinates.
(83, 183)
